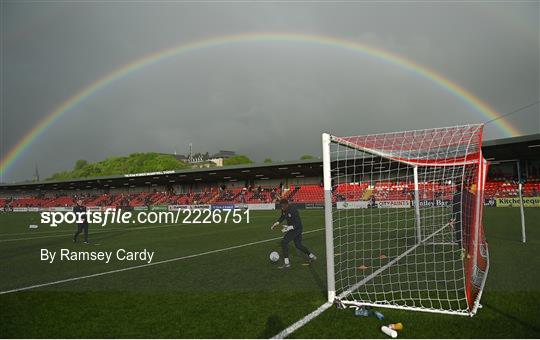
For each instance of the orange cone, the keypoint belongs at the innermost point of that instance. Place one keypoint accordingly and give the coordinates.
(396, 326)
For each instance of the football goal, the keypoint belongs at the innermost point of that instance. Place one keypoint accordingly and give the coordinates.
(403, 215)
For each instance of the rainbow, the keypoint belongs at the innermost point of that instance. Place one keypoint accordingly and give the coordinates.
(326, 41)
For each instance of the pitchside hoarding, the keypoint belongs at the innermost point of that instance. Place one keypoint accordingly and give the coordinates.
(393, 204)
(63, 209)
(159, 207)
(367, 204)
(222, 206)
(529, 202)
(262, 206)
(176, 207)
(434, 203)
(352, 205)
(314, 205)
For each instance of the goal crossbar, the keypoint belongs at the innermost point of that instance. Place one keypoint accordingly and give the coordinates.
(379, 153)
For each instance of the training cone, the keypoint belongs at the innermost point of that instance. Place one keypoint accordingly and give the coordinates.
(396, 326)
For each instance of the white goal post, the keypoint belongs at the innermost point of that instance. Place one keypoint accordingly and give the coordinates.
(403, 216)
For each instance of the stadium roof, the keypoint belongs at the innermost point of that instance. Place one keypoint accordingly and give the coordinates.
(513, 140)
(522, 147)
(303, 168)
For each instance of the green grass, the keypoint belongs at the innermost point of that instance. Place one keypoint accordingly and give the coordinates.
(235, 293)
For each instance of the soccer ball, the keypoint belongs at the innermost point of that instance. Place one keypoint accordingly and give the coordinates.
(274, 256)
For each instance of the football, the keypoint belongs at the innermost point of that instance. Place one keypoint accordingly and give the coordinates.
(274, 256)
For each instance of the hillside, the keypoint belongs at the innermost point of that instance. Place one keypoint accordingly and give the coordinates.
(133, 163)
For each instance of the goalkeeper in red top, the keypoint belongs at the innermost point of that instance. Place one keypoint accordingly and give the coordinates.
(293, 232)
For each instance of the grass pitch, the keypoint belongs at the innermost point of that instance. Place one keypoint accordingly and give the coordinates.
(234, 292)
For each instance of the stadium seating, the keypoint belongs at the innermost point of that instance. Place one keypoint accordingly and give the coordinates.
(349, 191)
(306, 194)
(494, 189)
(384, 191)
(531, 189)
(310, 193)
(243, 195)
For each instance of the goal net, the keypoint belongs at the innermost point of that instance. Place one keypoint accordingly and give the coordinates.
(403, 214)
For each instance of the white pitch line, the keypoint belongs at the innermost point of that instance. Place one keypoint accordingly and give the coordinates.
(145, 265)
(300, 323)
(33, 232)
(93, 232)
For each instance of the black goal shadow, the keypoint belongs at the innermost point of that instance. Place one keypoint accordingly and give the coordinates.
(274, 325)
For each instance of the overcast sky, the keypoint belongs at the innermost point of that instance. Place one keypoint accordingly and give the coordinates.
(263, 100)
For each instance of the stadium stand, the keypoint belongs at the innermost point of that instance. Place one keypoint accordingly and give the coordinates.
(310, 193)
(306, 194)
(299, 181)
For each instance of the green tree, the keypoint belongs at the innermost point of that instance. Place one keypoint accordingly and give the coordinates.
(81, 163)
(304, 157)
(268, 160)
(236, 160)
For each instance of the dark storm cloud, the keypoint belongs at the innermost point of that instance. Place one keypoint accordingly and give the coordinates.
(260, 99)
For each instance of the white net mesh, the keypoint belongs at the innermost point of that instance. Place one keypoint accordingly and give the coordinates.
(407, 219)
